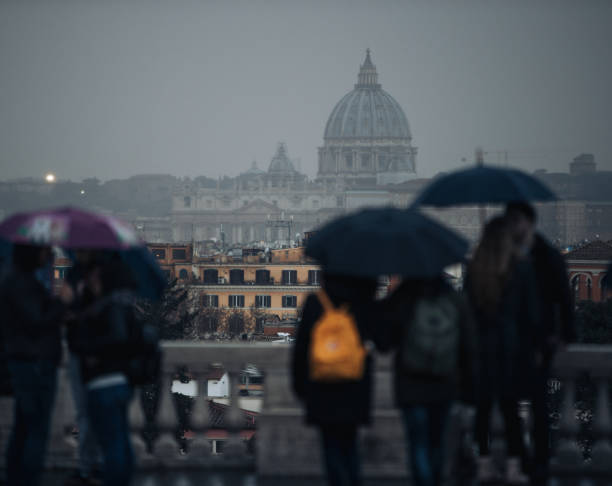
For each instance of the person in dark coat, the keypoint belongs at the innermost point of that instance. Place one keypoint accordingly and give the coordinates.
(101, 340)
(338, 409)
(90, 458)
(501, 286)
(32, 318)
(425, 399)
(555, 326)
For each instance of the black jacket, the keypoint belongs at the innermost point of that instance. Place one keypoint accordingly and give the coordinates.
(555, 298)
(31, 318)
(102, 336)
(507, 337)
(328, 404)
(412, 389)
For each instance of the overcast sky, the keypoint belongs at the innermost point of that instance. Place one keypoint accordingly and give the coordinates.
(108, 89)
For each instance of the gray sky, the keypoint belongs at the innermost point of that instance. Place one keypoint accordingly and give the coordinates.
(93, 88)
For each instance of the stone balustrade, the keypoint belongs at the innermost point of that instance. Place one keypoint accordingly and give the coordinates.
(284, 446)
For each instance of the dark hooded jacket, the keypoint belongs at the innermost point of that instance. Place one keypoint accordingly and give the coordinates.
(343, 403)
(102, 337)
(414, 389)
(555, 298)
(507, 337)
(31, 318)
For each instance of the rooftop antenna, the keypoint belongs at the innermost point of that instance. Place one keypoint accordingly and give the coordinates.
(479, 156)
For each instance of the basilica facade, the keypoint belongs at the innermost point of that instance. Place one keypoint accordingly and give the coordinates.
(367, 147)
(367, 140)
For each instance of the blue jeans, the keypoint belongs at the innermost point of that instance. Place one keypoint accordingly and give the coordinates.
(108, 408)
(89, 454)
(34, 384)
(340, 455)
(425, 432)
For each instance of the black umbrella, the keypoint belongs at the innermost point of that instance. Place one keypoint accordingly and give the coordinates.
(385, 241)
(483, 185)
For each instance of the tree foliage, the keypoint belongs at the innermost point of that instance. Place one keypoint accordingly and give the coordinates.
(170, 315)
(594, 322)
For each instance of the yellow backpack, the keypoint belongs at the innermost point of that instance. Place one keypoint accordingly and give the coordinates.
(337, 353)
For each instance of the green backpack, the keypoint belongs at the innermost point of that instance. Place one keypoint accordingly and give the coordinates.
(431, 340)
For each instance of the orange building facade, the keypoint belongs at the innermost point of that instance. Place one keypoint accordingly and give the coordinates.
(588, 271)
(248, 289)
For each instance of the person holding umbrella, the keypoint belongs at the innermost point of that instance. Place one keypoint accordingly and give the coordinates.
(555, 326)
(89, 452)
(108, 312)
(501, 287)
(32, 318)
(480, 185)
(338, 406)
(353, 250)
(101, 340)
(435, 342)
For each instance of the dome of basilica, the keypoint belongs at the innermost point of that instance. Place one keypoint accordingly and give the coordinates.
(367, 112)
(281, 163)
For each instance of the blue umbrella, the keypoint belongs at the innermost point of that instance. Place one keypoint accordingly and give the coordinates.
(149, 278)
(144, 271)
(483, 185)
(386, 241)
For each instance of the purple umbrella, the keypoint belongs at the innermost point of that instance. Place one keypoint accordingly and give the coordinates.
(69, 228)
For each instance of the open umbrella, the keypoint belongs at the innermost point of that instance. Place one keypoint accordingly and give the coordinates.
(483, 185)
(69, 228)
(75, 229)
(384, 241)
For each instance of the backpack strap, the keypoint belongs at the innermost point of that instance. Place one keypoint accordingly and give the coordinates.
(325, 300)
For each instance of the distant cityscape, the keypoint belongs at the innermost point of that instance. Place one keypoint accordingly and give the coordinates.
(367, 159)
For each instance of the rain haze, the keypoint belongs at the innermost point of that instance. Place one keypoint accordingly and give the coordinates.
(113, 89)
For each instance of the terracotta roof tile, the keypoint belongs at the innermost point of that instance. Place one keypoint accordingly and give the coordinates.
(596, 250)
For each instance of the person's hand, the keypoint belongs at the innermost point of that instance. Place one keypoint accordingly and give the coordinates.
(66, 294)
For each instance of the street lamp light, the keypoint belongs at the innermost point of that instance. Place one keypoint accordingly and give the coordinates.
(50, 177)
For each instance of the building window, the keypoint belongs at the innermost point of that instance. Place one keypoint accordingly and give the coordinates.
(365, 161)
(211, 276)
(187, 201)
(236, 324)
(183, 274)
(159, 253)
(263, 301)
(315, 204)
(589, 285)
(262, 276)
(236, 301)
(314, 277)
(349, 161)
(179, 254)
(575, 284)
(289, 277)
(209, 324)
(208, 203)
(259, 325)
(210, 301)
(289, 301)
(236, 276)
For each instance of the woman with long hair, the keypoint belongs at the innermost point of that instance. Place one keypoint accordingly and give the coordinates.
(501, 287)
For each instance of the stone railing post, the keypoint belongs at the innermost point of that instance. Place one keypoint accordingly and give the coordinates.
(602, 427)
